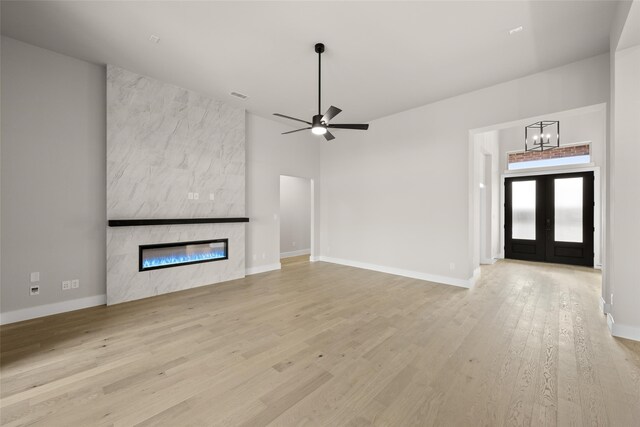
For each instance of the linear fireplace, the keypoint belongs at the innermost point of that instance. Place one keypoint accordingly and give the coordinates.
(164, 255)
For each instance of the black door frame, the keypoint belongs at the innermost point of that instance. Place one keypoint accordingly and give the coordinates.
(544, 248)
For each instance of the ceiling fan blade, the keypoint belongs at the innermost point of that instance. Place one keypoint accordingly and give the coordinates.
(349, 126)
(329, 136)
(291, 118)
(330, 114)
(292, 131)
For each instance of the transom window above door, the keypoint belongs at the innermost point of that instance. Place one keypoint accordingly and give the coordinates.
(565, 155)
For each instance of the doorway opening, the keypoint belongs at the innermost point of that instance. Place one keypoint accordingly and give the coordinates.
(550, 218)
(295, 220)
(583, 150)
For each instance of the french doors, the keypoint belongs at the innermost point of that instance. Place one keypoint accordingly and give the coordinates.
(550, 218)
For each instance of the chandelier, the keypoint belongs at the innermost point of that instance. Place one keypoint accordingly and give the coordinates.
(542, 136)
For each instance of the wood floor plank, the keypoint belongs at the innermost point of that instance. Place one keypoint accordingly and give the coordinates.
(319, 344)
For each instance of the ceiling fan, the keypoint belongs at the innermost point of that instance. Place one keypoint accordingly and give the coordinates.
(319, 124)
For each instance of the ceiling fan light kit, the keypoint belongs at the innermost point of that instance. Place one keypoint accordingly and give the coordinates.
(320, 124)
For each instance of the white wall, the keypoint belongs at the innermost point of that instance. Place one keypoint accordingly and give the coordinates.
(269, 155)
(53, 178)
(295, 216)
(625, 196)
(584, 125)
(621, 226)
(398, 195)
(54, 181)
(488, 179)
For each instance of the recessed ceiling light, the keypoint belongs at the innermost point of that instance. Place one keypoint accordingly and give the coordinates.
(154, 38)
(239, 95)
(515, 30)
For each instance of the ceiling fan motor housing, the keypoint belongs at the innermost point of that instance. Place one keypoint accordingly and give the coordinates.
(317, 121)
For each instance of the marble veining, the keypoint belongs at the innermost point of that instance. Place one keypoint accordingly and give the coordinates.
(164, 142)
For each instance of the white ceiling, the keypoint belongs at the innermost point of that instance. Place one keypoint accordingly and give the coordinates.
(631, 32)
(381, 58)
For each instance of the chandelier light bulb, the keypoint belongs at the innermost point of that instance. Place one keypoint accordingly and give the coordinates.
(537, 136)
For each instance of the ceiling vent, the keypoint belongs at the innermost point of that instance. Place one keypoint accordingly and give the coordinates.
(239, 95)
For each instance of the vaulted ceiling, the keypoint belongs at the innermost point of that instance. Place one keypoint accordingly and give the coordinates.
(381, 57)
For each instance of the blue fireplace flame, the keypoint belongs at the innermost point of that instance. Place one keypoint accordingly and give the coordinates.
(159, 261)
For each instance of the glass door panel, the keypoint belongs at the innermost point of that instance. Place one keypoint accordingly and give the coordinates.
(550, 218)
(568, 208)
(523, 210)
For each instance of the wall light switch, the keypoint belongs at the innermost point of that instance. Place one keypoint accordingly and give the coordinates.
(196, 196)
(212, 196)
(190, 196)
(66, 285)
(35, 277)
(75, 284)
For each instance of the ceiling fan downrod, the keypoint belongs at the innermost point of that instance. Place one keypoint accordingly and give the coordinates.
(319, 51)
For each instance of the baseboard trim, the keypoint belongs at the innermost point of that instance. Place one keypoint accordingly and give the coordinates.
(476, 276)
(463, 283)
(622, 331)
(488, 261)
(294, 253)
(606, 308)
(610, 322)
(314, 258)
(626, 331)
(49, 309)
(262, 269)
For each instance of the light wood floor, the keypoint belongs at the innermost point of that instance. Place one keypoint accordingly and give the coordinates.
(329, 345)
(294, 260)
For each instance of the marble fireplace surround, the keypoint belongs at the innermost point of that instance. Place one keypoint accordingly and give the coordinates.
(122, 260)
(164, 142)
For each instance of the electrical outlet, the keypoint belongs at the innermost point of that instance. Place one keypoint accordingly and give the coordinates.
(212, 196)
(66, 285)
(196, 196)
(452, 266)
(611, 299)
(75, 284)
(34, 290)
(35, 277)
(190, 196)
(293, 243)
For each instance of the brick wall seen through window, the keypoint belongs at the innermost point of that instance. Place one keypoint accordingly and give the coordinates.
(567, 151)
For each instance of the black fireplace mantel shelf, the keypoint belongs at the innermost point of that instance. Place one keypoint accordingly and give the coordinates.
(172, 221)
